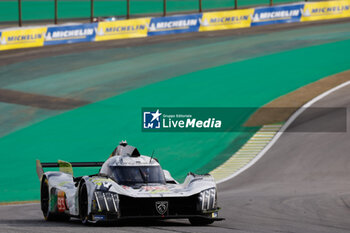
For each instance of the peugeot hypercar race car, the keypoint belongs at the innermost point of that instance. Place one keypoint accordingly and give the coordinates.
(128, 186)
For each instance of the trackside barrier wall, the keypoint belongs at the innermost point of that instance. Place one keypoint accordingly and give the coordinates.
(14, 38)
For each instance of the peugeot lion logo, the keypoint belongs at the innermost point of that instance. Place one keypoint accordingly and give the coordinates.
(162, 207)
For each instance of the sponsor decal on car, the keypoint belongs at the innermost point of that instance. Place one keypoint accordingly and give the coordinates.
(65, 184)
(98, 181)
(61, 201)
(99, 217)
(104, 186)
(154, 189)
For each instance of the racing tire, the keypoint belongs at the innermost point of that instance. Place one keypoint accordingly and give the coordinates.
(200, 221)
(83, 204)
(45, 200)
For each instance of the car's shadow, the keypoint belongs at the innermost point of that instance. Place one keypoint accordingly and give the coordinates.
(77, 223)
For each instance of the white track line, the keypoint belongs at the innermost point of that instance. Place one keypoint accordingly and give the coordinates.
(284, 127)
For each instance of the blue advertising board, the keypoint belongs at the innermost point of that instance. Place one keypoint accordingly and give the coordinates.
(277, 14)
(174, 24)
(70, 34)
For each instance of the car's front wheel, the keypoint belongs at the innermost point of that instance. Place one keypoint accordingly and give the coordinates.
(83, 204)
(200, 221)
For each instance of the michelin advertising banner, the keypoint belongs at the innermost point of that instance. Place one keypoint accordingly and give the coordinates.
(226, 20)
(22, 38)
(277, 14)
(326, 10)
(70, 34)
(174, 24)
(122, 29)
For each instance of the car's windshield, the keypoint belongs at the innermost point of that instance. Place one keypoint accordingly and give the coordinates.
(132, 175)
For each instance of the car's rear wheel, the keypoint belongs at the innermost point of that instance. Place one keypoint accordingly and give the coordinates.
(83, 204)
(45, 199)
(200, 221)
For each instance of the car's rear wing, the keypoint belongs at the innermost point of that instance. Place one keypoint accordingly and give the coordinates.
(64, 166)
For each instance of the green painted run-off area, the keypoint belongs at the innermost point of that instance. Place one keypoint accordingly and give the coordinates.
(44, 9)
(91, 132)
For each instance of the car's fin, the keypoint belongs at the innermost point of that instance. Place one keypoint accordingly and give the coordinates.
(39, 169)
(65, 167)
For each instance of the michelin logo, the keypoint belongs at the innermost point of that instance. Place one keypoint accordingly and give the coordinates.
(2, 40)
(224, 20)
(276, 15)
(174, 24)
(229, 19)
(178, 24)
(21, 38)
(68, 34)
(306, 13)
(151, 120)
(121, 29)
(326, 10)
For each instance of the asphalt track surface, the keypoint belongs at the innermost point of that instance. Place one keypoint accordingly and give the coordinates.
(300, 185)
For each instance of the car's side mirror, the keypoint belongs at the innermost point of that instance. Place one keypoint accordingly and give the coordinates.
(168, 178)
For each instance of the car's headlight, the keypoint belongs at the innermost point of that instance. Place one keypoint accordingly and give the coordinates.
(208, 200)
(105, 201)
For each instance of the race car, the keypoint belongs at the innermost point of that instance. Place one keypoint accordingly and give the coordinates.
(128, 186)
